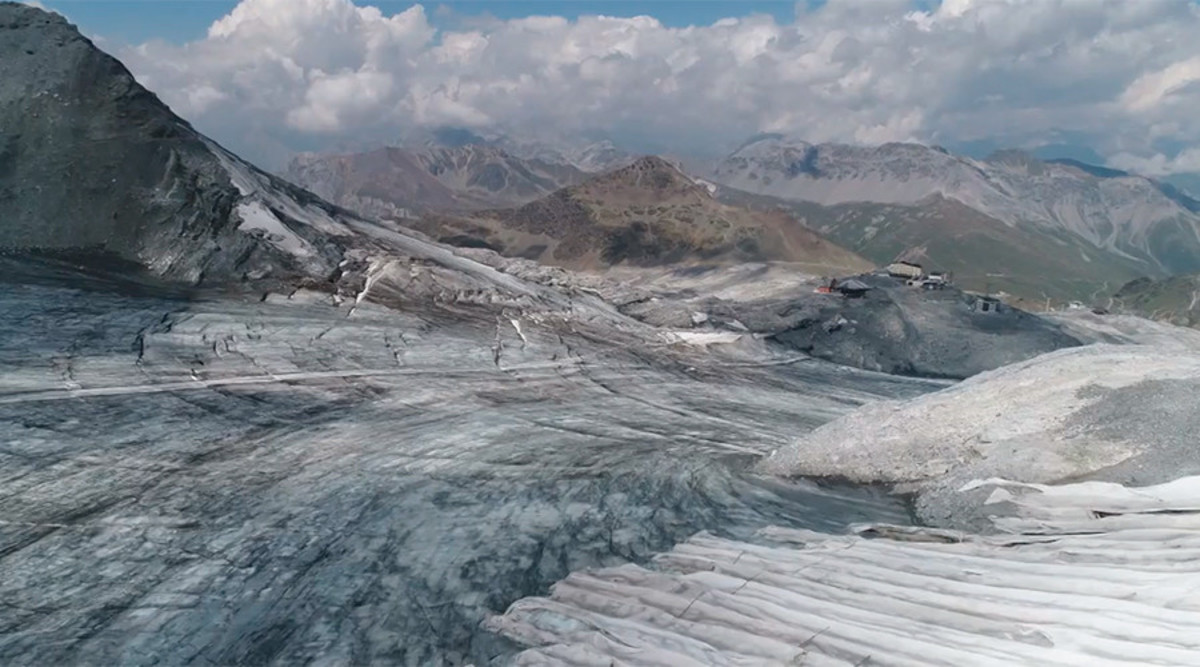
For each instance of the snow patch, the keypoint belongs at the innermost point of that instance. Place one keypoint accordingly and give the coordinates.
(375, 269)
(257, 217)
(1127, 330)
(707, 185)
(516, 325)
(253, 184)
(703, 338)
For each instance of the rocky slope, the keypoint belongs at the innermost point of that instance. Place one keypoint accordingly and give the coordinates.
(896, 329)
(403, 183)
(895, 198)
(983, 254)
(96, 167)
(91, 162)
(1175, 299)
(646, 214)
(385, 183)
(892, 328)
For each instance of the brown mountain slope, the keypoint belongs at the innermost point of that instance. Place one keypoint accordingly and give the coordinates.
(646, 214)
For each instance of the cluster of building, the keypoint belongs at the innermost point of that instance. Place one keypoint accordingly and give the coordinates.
(913, 275)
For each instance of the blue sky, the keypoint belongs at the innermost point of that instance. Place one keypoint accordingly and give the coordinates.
(136, 21)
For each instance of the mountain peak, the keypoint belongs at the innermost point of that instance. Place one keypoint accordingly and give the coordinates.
(649, 213)
(93, 163)
(17, 15)
(652, 162)
(649, 164)
(650, 173)
(85, 109)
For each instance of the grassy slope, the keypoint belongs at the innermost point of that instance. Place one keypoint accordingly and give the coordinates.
(984, 254)
(1175, 300)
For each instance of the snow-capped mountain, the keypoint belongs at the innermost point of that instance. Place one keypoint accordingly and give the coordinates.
(1116, 212)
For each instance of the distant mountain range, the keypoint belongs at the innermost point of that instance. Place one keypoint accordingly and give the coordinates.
(405, 183)
(591, 157)
(1055, 228)
(1189, 184)
(589, 154)
(648, 213)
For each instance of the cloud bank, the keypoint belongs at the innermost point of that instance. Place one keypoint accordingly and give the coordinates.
(279, 75)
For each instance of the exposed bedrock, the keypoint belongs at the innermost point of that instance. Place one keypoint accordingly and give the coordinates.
(892, 328)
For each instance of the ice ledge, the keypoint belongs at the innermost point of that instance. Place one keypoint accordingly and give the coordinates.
(1084, 574)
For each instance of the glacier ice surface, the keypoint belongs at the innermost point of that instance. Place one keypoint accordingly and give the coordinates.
(200, 477)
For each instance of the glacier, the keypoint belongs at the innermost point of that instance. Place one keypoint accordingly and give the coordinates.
(197, 476)
(1085, 574)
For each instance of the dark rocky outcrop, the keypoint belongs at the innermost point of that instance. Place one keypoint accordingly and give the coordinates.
(900, 330)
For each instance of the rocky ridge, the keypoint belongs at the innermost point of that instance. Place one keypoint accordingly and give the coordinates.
(406, 183)
(1098, 220)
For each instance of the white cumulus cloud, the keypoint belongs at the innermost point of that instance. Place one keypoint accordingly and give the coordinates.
(1152, 90)
(1186, 161)
(299, 74)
